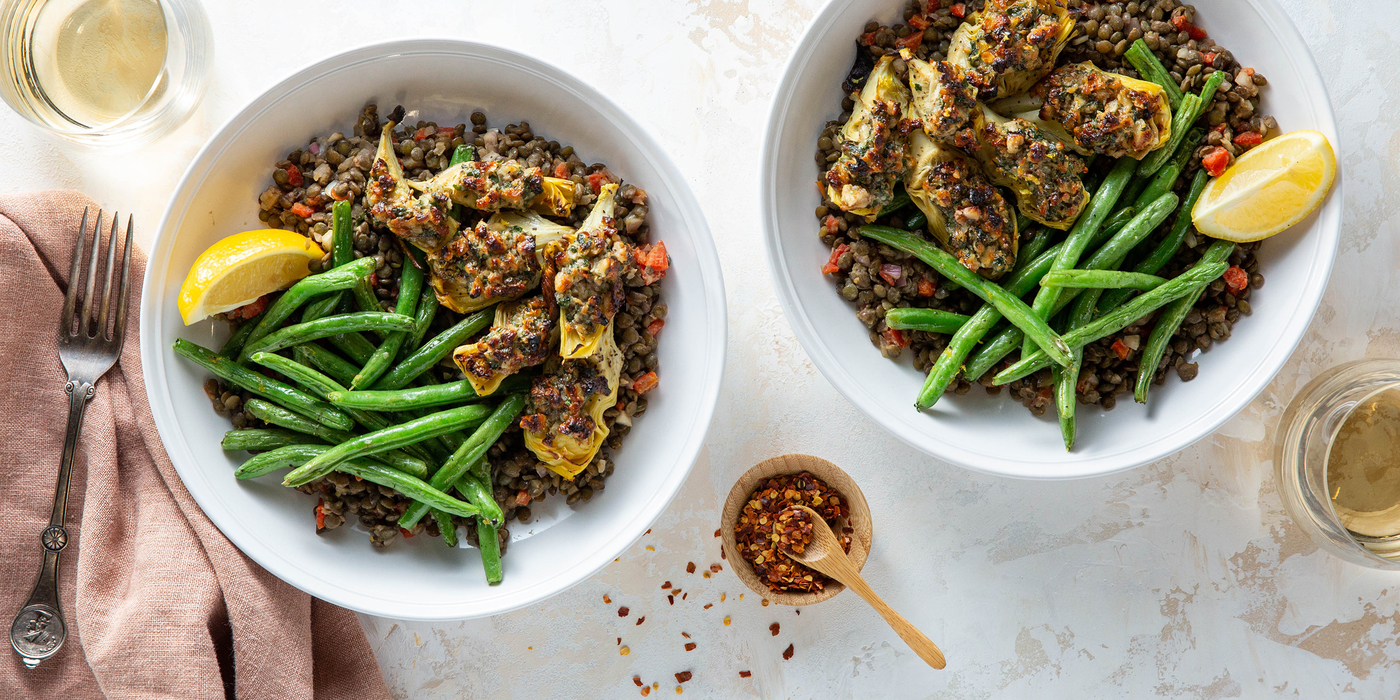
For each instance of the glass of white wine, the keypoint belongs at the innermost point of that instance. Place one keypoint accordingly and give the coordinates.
(1337, 458)
(104, 72)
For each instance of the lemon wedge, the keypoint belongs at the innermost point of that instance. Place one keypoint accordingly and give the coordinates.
(239, 269)
(1270, 188)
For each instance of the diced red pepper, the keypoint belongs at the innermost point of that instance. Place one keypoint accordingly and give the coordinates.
(918, 22)
(374, 279)
(1120, 349)
(959, 10)
(910, 42)
(1215, 161)
(420, 134)
(1219, 128)
(406, 533)
(645, 383)
(927, 288)
(832, 224)
(1236, 279)
(596, 182)
(891, 274)
(654, 328)
(653, 261)
(522, 497)
(867, 38)
(294, 177)
(836, 253)
(302, 210)
(895, 337)
(561, 170)
(1249, 138)
(321, 514)
(251, 309)
(1179, 21)
(1208, 57)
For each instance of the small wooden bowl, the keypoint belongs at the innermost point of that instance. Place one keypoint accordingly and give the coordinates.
(793, 464)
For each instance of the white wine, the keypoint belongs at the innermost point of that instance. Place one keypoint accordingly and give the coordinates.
(106, 61)
(1363, 472)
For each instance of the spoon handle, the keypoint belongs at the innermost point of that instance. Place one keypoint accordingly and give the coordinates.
(922, 645)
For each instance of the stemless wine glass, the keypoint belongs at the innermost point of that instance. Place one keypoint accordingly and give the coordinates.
(1306, 431)
(104, 72)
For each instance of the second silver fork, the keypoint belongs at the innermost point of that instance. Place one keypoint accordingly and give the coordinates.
(88, 346)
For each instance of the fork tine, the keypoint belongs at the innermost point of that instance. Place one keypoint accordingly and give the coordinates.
(120, 332)
(70, 299)
(91, 277)
(107, 284)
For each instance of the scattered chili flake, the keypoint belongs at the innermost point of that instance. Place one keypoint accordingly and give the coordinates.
(685, 634)
(648, 532)
(745, 674)
(637, 680)
(927, 288)
(651, 548)
(606, 599)
(302, 210)
(798, 611)
(705, 574)
(294, 177)
(646, 690)
(1215, 161)
(1121, 349)
(721, 597)
(1236, 278)
(708, 606)
(641, 619)
(721, 552)
(690, 567)
(690, 646)
(717, 531)
(619, 641)
(774, 629)
(687, 595)
(765, 602)
(831, 267)
(665, 585)
(624, 651)
(683, 676)
(622, 611)
(726, 620)
(671, 599)
(676, 590)
(787, 653)
(716, 568)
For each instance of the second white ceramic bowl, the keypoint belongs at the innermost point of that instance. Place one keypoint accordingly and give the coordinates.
(992, 433)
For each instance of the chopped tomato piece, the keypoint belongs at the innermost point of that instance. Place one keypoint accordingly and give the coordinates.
(1208, 57)
(867, 38)
(1236, 279)
(891, 274)
(927, 288)
(895, 337)
(654, 328)
(1120, 349)
(596, 182)
(302, 210)
(910, 42)
(832, 224)
(522, 497)
(321, 514)
(652, 260)
(1215, 161)
(561, 170)
(405, 533)
(294, 177)
(959, 10)
(918, 22)
(645, 383)
(1249, 138)
(1219, 128)
(831, 265)
(1179, 21)
(420, 134)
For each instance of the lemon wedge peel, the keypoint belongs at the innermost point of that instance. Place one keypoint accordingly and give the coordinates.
(1268, 189)
(239, 269)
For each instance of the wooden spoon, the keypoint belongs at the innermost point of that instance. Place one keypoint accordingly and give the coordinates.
(824, 554)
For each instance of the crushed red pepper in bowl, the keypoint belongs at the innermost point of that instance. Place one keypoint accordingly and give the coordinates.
(769, 523)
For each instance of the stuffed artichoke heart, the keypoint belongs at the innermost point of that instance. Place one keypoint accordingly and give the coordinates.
(587, 281)
(862, 179)
(556, 198)
(1105, 113)
(497, 260)
(1010, 44)
(941, 98)
(966, 213)
(419, 219)
(490, 185)
(563, 419)
(1038, 168)
(519, 338)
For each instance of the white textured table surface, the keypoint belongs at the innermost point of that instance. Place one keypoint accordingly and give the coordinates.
(1180, 579)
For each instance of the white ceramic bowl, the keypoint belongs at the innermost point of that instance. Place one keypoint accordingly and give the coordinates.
(992, 433)
(445, 81)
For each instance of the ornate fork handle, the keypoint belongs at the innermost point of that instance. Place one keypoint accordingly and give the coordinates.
(39, 631)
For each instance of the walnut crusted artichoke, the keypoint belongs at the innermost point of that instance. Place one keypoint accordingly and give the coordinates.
(862, 179)
(1038, 168)
(966, 213)
(1011, 44)
(1105, 113)
(941, 98)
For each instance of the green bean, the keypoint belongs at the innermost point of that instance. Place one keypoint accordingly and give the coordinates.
(1119, 219)
(1181, 123)
(447, 528)
(945, 369)
(1096, 279)
(354, 345)
(280, 458)
(1119, 318)
(270, 389)
(471, 451)
(479, 493)
(342, 252)
(328, 326)
(424, 396)
(408, 433)
(1085, 228)
(427, 310)
(303, 291)
(234, 344)
(276, 415)
(1031, 249)
(1208, 92)
(1066, 379)
(434, 350)
(1152, 70)
(320, 308)
(1165, 179)
(410, 284)
(929, 320)
(1168, 246)
(1169, 320)
(263, 439)
(1009, 305)
(1000, 345)
(489, 542)
(409, 486)
(333, 365)
(899, 201)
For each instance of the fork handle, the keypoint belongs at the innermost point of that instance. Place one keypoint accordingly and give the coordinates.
(39, 631)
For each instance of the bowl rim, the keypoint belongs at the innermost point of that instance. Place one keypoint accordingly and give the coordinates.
(278, 563)
(1328, 221)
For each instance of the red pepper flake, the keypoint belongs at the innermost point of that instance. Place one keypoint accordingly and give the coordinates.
(721, 552)
(606, 599)
(959, 10)
(302, 210)
(799, 612)
(787, 653)
(654, 328)
(1236, 278)
(685, 634)
(717, 530)
(683, 597)
(918, 22)
(765, 602)
(927, 288)
(709, 605)
(665, 585)
(683, 676)
(1215, 161)
(646, 690)
(645, 383)
(637, 680)
(745, 674)
(1249, 138)
(619, 641)
(676, 591)
(648, 532)
(769, 522)
(320, 515)
(774, 629)
(561, 170)
(716, 568)
(294, 177)
(1120, 349)
(641, 619)
(831, 265)
(690, 646)
(671, 599)
(622, 611)
(690, 567)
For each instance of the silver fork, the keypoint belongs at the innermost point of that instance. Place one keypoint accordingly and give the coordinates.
(87, 350)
